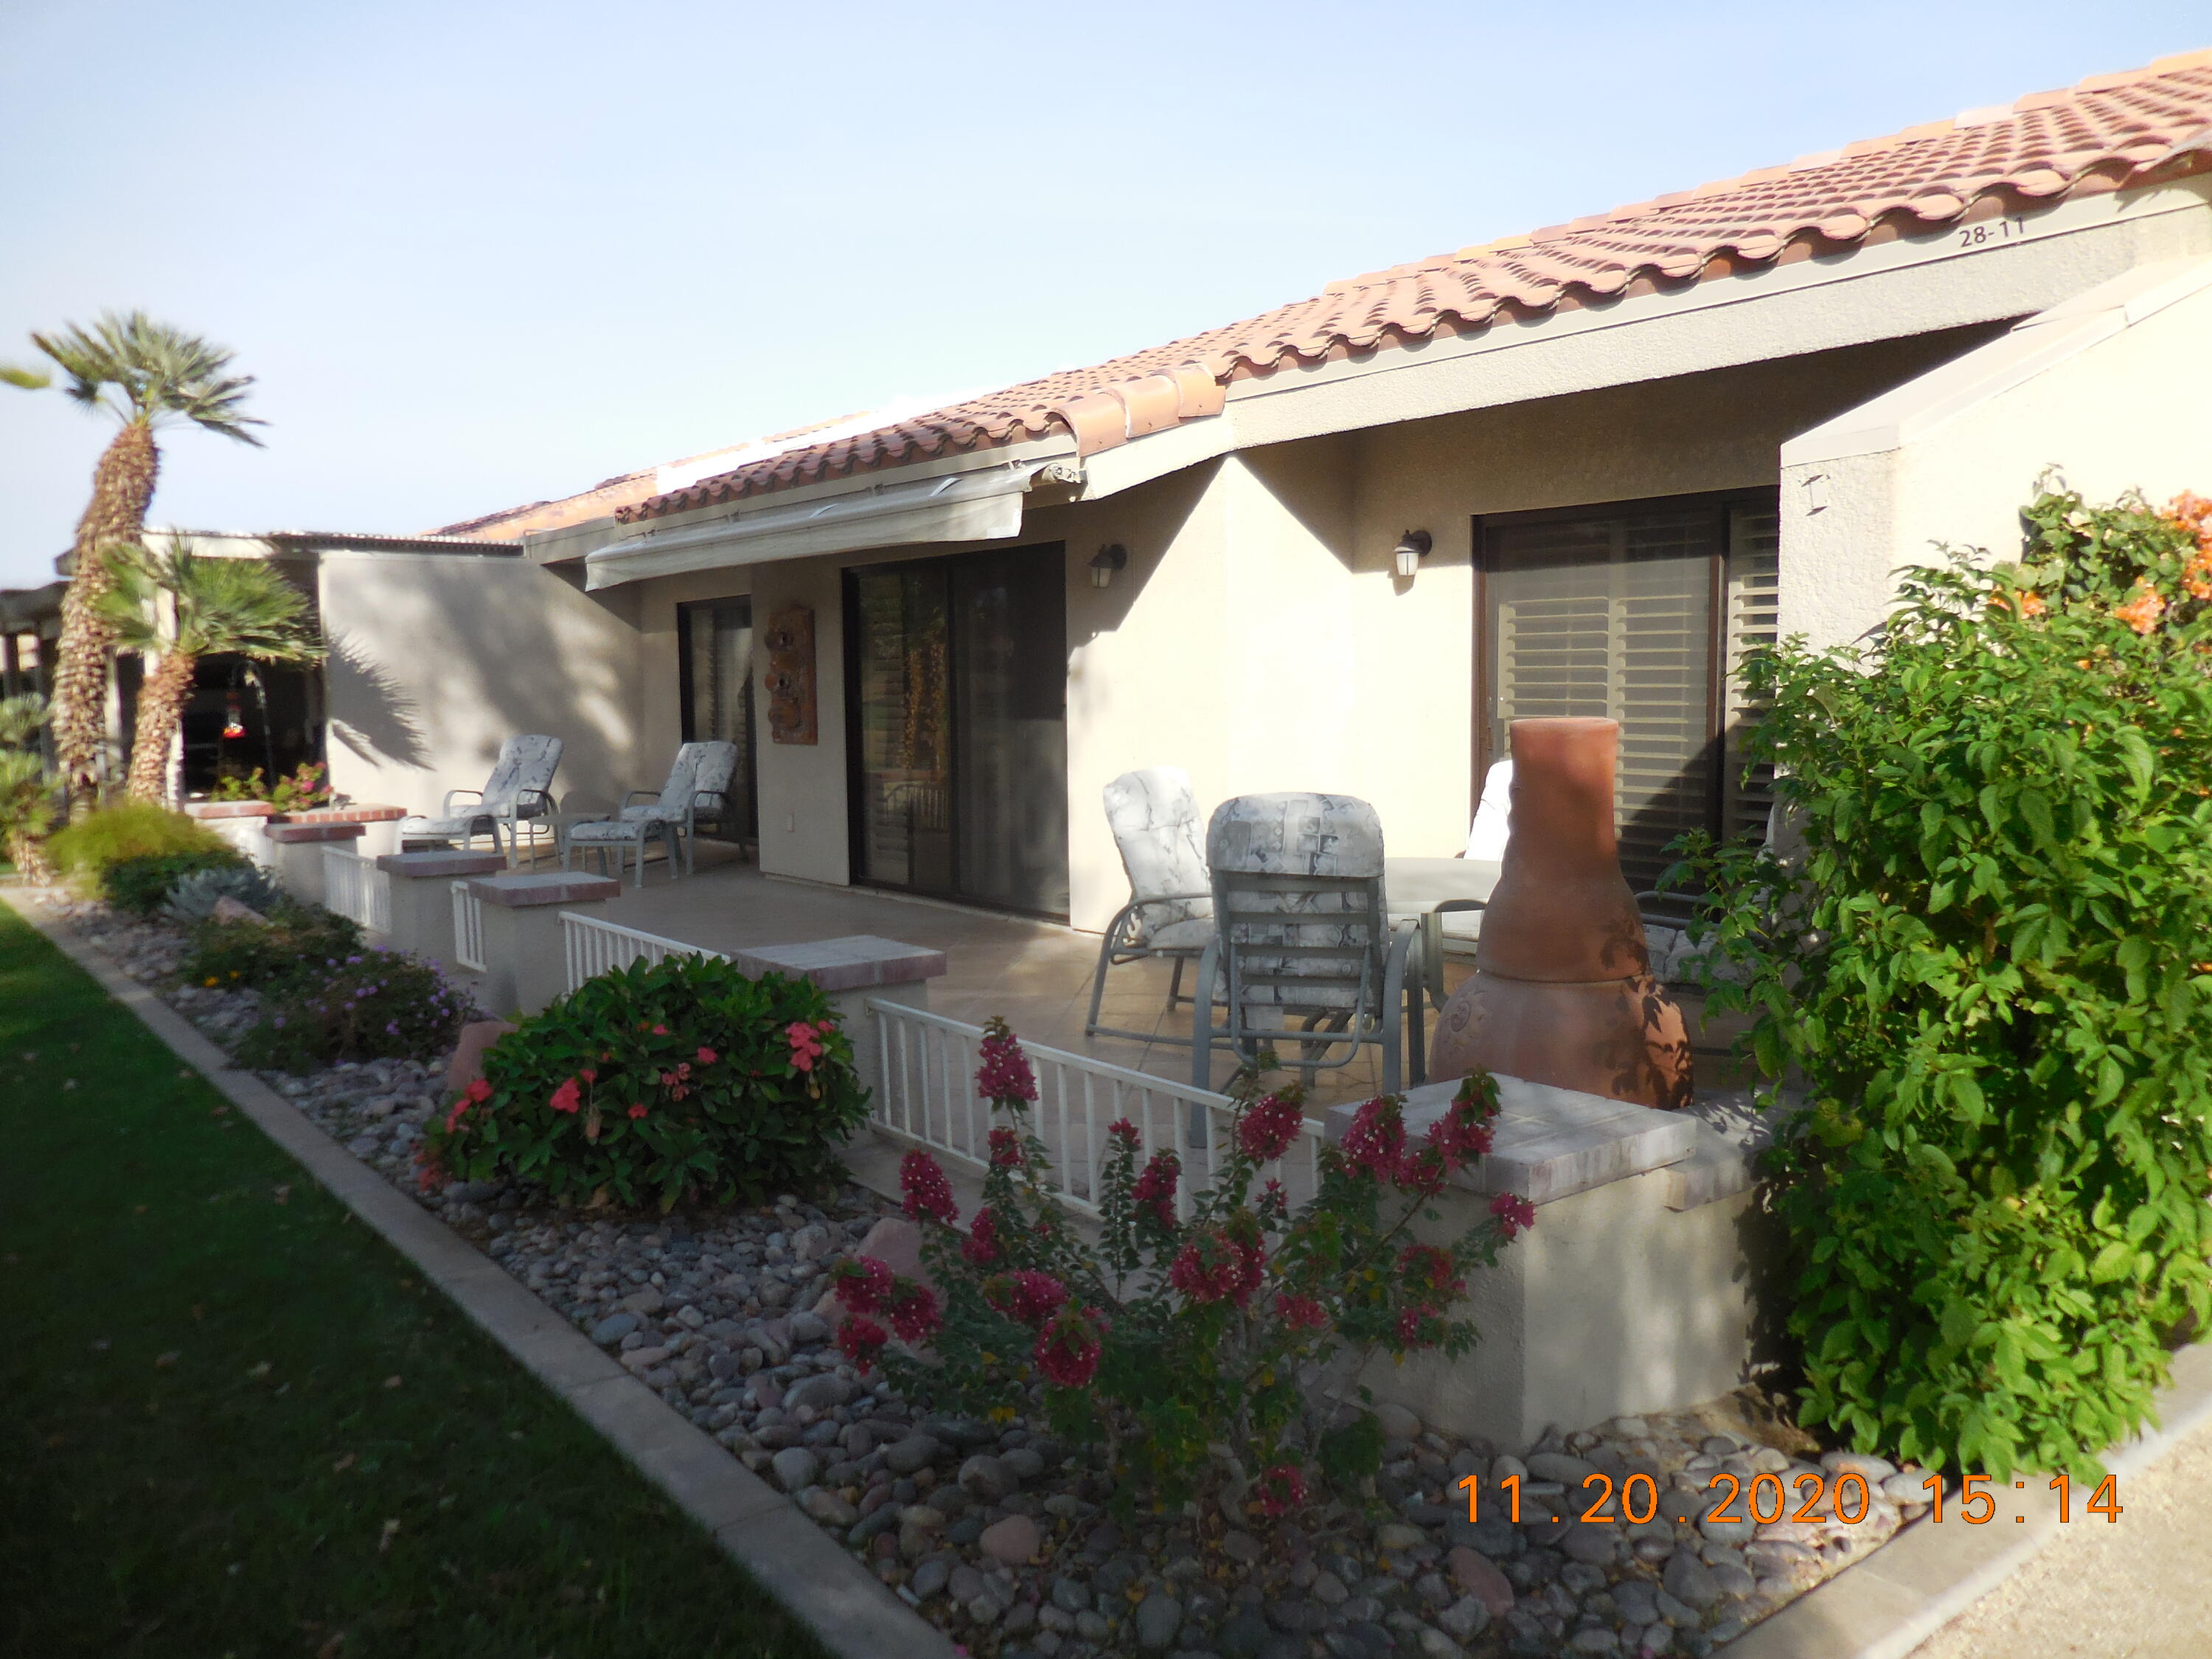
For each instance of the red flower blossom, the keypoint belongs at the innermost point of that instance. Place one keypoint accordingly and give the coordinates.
(1215, 1267)
(980, 1247)
(1301, 1313)
(927, 1192)
(1154, 1194)
(1006, 1150)
(1376, 1142)
(566, 1097)
(1462, 1134)
(590, 1074)
(637, 1107)
(913, 1312)
(805, 1043)
(1267, 1130)
(479, 1091)
(1415, 1327)
(862, 1283)
(707, 1056)
(1034, 1297)
(1429, 1268)
(1282, 1489)
(1067, 1350)
(1123, 1131)
(862, 1340)
(660, 1031)
(1004, 1076)
(1515, 1213)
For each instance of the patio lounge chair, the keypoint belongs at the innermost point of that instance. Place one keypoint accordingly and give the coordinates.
(1447, 896)
(1302, 952)
(701, 771)
(519, 790)
(1154, 817)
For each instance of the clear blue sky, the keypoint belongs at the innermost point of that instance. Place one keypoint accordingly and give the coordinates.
(480, 254)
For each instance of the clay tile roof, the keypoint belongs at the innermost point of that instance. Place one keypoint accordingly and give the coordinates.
(2138, 127)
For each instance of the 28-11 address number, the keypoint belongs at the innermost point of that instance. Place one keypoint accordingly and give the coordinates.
(2105, 1501)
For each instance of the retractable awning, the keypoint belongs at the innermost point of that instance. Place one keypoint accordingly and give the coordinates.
(980, 506)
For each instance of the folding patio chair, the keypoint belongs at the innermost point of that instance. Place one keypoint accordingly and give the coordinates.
(519, 790)
(1154, 817)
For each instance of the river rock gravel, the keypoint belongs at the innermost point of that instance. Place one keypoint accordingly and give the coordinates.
(1003, 1535)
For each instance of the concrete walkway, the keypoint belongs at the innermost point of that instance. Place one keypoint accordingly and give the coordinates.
(2138, 1588)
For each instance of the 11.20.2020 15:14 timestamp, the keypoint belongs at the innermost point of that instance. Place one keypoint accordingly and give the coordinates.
(1808, 1497)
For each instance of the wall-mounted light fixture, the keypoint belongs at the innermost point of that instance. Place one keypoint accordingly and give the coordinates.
(1413, 547)
(1105, 562)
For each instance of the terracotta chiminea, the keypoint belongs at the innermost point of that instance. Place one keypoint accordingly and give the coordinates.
(1562, 991)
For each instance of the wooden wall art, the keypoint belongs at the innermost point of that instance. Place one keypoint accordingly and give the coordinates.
(790, 699)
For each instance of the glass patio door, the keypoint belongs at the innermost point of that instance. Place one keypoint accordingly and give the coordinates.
(716, 656)
(957, 670)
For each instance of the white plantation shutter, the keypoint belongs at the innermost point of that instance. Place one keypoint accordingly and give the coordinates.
(1754, 570)
(1614, 615)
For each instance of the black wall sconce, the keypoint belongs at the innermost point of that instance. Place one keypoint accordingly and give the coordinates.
(1105, 562)
(1413, 547)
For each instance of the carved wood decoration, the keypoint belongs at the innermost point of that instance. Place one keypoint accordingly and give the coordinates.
(790, 699)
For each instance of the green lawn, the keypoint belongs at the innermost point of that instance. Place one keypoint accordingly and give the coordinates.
(235, 1423)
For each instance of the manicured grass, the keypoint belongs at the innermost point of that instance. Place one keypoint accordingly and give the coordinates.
(236, 1422)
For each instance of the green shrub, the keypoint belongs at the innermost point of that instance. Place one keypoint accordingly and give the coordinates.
(131, 829)
(373, 1005)
(301, 944)
(657, 1080)
(142, 886)
(1992, 979)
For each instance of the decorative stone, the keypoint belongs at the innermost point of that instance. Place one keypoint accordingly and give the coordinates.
(615, 1327)
(1397, 1422)
(1474, 1574)
(1569, 1472)
(1690, 1581)
(795, 1467)
(1240, 1547)
(916, 1451)
(1159, 1616)
(1012, 1542)
(985, 1479)
(1467, 1617)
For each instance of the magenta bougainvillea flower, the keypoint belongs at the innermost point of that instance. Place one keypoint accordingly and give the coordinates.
(1266, 1131)
(862, 1340)
(1034, 1297)
(980, 1247)
(1006, 1150)
(1154, 1194)
(1067, 1350)
(1376, 1142)
(1515, 1213)
(1301, 1313)
(928, 1194)
(1282, 1489)
(862, 1283)
(1003, 1076)
(913, 1311)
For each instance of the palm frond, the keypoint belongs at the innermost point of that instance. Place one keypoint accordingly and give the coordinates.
(30, 378)
(240, 606)
(21, 717)
(146, 373)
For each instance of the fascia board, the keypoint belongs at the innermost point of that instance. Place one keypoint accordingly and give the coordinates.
(1813, 304)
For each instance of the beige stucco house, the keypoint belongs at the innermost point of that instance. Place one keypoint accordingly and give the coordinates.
(1633, 446)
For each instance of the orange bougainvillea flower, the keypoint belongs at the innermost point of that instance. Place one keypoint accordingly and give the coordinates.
(2143, 608)
(2032, 604)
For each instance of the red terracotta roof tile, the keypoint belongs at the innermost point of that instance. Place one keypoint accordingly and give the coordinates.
(2108, 130)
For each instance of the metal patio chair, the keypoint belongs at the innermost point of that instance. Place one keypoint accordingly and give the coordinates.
(1303, 954)
(700, 770)
(518, 791)
(1169, 914)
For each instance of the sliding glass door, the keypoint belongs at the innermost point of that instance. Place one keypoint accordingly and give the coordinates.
(957, 674)
(715, 651)
(1633, 612)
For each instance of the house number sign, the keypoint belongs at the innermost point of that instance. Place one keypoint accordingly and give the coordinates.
(790, 679)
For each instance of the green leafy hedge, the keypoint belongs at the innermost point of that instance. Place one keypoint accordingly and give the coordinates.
(656, 1081)
(1991, 976)
(131, 853)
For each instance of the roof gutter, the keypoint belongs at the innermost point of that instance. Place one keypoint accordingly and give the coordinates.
(984, 504)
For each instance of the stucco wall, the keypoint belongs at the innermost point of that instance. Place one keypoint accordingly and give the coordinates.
(802, 829)
(436, 658)
(2131, 412)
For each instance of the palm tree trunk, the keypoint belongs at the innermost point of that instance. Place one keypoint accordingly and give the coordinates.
(161, 700)
(122, 489)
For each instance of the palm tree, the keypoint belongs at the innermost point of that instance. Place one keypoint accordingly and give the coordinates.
(144, 374)
(179, 607)
(25, 791)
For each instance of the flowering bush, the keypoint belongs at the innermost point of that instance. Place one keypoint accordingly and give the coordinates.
(372, 1004)
(684, 1076)
(1230, 1323)
(1991, 976)
(300, 945)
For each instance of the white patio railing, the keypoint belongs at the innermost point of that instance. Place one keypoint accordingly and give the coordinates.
(354, 888)
(592, 947)
(468, 928)
(924, 1093)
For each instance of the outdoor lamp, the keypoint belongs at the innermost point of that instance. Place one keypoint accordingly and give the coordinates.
(1104, 563)
(1413, 547)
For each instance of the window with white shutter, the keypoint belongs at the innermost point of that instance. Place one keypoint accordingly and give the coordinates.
(1619, 612)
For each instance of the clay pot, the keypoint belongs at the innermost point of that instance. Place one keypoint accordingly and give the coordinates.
(1562, 992)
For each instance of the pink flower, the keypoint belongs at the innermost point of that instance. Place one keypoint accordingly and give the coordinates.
(1215, 1267)
(1282, 1488)
(637, 1108)
(1006, 1150)
(660, 1031)
(913, 1312)
(1301, 1313)
(981, 1247)
(479, 1091)
(1067, 1350)
(1154, 1194)
(589, 1074)
(927, 1192)
(706, 1056)
(862, 1340)
(1003, 1077)
(566, 1097)
(1376, 1142)
(1515, 1214)
(1415, 1327)
(862, 1283)
(805, 1044)
(1266, 1131)
(1428, 1268)
(1123, 1131)
(1036, 1297)
(1274, 1205)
